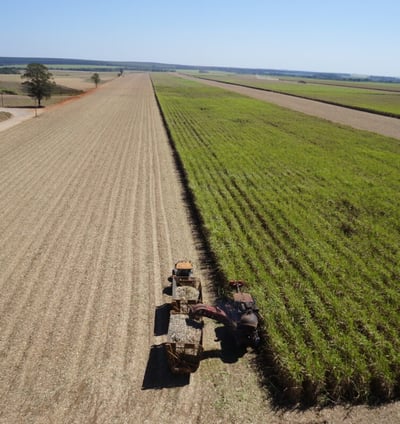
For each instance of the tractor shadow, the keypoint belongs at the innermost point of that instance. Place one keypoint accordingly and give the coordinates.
(229, 352)
(168, 290)
(161, 319)
(158, 375)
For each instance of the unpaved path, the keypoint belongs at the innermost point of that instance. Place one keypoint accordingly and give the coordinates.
(91, 221)
(18, 115)
(360, 120)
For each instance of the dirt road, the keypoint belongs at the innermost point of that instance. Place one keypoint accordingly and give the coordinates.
(17, 115)
(360, 120)
(91, 220)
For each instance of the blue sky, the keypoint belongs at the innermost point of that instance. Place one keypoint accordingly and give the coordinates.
(361, 37)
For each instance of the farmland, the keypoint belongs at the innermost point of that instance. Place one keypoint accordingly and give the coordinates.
(375, 97)
(69, 83)
(92, 219)
(308, 214)
(93, 214)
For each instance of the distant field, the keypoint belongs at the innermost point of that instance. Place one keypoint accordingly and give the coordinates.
(384, 86)
(71, 67)
(80, 80)
(378, 97)
(70, 83)
(84, 68)
(308, 214)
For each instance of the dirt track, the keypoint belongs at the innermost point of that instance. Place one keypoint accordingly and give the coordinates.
(379, 124)
(91, 220)
(17, 115)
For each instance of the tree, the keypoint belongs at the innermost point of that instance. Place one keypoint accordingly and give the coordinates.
(95, 78)
(39, 81)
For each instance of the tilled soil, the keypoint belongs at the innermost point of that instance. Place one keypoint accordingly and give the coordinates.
(92, 218)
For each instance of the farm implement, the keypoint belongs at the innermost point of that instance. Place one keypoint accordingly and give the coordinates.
(240, 315)
(184, 345)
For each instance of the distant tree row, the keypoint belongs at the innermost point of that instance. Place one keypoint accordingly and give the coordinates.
(9, 70)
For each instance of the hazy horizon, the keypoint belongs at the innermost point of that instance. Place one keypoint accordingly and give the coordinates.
(351, 37)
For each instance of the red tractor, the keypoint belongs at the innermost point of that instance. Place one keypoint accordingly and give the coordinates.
(240, 315)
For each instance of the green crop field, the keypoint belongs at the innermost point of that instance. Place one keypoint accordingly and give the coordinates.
(308, 213)
(366, 96)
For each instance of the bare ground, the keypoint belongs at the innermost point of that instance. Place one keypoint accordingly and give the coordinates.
(357, 119)
(17, 115)
(91, 220)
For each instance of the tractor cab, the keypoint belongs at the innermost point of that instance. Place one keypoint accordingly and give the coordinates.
(183, 269)
(244, 302)
(245, 315)
(183, 274)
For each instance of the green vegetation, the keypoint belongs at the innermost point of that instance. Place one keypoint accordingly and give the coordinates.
(379, 98)
(308, 213)
(13, 92)
(38, 82)
(383, 86)
(11, 87)
(5, 91)
(61, 90)
(95, 78)
(9, 70)
(4, 116)
(17, 89)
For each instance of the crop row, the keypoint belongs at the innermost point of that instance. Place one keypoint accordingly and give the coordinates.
(371, 99)
(306, 212)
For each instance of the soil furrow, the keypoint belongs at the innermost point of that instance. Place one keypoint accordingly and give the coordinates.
(40, 208)
(61, 217)
(37, 303)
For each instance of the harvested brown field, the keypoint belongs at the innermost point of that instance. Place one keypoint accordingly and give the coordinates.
(92, 220)
(80, 80)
